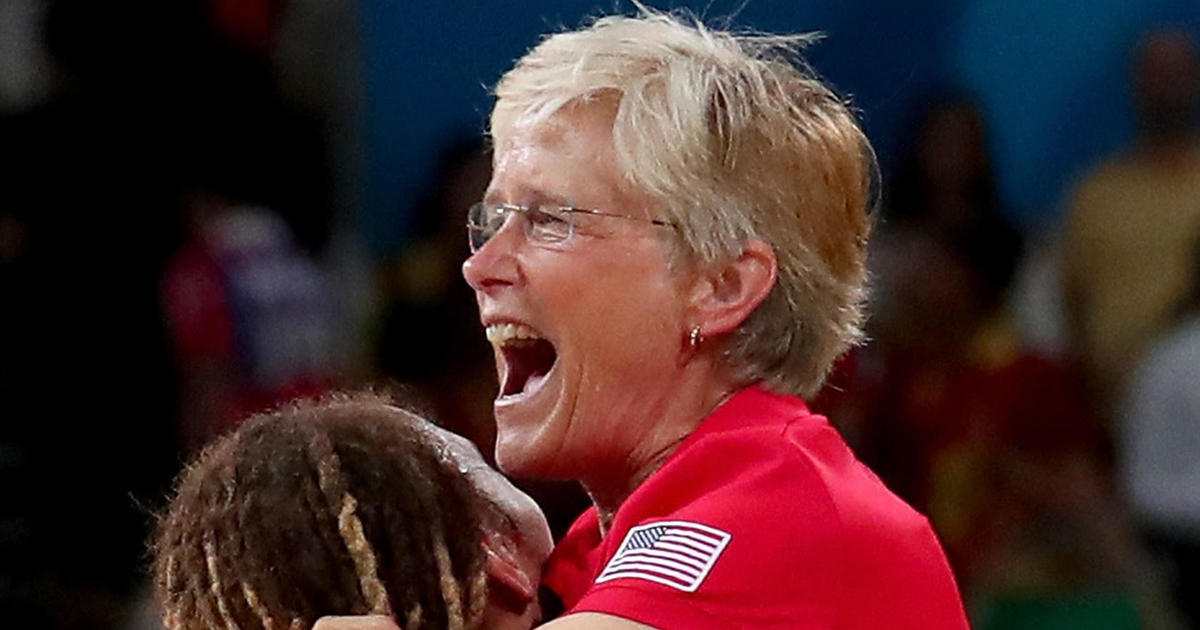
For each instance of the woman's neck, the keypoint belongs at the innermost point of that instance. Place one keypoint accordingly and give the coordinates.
(687, 411)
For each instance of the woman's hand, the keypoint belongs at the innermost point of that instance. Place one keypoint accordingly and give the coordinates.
(357, 622)
(578, 621)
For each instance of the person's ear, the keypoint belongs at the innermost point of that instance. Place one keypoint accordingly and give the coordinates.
(504, 568)
(724, 295)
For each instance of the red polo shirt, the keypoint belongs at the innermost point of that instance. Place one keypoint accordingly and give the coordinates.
(762, 518)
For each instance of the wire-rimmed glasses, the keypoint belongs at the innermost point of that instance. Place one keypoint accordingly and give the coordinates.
(546, 224)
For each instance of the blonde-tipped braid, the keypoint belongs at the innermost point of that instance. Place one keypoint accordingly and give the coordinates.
(351, 529)
(478, 602)
(210, 558)
(451, 593)
(413, 620)
(201, 588)
(264, 615)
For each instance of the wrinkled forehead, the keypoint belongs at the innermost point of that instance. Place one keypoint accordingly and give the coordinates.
(571, 156)
(587, 118)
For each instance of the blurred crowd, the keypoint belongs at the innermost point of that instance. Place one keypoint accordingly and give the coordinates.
(175, 253)
(1036, 395)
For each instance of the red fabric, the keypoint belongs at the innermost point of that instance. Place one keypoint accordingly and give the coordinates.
(250, 23)
(817, 541)
(197, 308)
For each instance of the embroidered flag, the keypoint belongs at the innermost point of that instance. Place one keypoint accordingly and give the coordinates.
(678, 554)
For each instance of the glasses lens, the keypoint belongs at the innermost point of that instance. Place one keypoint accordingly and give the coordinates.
(542, 224)
(480, 227)
(548, 224)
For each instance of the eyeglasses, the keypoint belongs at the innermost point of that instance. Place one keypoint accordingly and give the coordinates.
(542, 224)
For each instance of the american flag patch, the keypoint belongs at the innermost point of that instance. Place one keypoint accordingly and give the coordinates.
(678, 554)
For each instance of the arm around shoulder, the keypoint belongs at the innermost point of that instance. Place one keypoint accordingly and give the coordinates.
(577, 621)
(594, 621)
(356, 622)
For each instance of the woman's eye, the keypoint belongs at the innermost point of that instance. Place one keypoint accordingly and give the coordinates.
(546, 218)
(548, 226)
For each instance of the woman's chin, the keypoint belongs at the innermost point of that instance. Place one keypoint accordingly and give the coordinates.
(529, 455)
(524, 446)
(515, 455)
(518, 460)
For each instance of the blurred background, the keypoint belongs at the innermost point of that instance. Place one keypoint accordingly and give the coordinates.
(211, 206)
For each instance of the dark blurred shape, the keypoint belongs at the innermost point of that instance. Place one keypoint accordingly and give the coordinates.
(145, 94)
(248, 23)
(1131, 221)
(1166, 81)
(430, 336)
(944, 185)
(86, 201)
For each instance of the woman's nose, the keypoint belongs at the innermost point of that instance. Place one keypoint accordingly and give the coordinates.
(494, 262)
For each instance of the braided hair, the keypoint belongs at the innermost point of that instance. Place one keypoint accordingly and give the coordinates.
(336, 507)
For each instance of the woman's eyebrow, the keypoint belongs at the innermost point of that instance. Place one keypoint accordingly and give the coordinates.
(527, 196)
(541, 196)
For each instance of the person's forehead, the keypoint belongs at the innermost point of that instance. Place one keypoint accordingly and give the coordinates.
(585, 126)
(569, 158)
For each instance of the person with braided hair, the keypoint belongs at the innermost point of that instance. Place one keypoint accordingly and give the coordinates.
(344, 506)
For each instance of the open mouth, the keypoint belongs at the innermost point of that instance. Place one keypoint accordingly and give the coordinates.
(528, 357)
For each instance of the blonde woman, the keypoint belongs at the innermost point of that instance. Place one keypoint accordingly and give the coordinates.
(670, 255)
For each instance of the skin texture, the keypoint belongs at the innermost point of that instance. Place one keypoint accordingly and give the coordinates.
(605, 298)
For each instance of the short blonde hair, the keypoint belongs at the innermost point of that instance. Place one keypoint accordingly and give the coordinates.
(736, 139)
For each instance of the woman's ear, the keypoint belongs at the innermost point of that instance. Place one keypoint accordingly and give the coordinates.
(504, 568)
(724, 295)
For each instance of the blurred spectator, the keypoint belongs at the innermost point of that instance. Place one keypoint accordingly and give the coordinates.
(252, 319)
(90, 177)
(1160, 427)
(933, 391)
(944, 187)
(1036, 299)
(1131, 221)
(995, 443)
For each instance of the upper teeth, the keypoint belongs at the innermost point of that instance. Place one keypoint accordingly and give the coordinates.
(511, 334)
